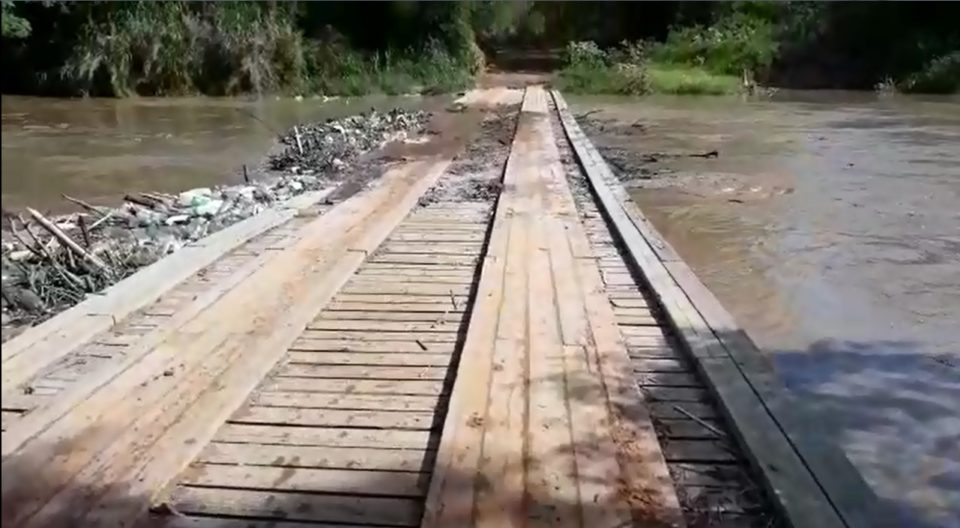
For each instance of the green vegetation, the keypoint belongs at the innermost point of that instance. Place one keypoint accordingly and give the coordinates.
(627, 70)
(720, 48)
(690, 80)
(184, 47)
(178, 48)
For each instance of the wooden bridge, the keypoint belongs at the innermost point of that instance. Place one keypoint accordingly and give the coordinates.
(538, 358)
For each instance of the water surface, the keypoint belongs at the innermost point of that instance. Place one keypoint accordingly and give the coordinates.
(99, 149)
(829, 225)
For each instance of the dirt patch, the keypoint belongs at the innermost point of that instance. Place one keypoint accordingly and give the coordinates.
(475, 175)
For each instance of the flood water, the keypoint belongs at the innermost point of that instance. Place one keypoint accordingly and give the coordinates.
(99, 149)
(829, 225)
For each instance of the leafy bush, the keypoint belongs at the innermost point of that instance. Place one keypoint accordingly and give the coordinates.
(941, 75)
(585, 53)
(735, 44)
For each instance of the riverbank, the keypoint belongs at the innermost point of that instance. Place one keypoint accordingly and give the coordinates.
(52, 262)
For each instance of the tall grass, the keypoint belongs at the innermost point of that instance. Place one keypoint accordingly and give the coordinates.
(337, 69)
(175, 48)
(690, 80)
(627, 71)
(172, 48)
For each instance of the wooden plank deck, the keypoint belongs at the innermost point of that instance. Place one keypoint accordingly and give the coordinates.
(355, 429)
(545, 428)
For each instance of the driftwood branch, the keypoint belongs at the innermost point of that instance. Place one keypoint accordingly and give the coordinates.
(89, 207)
(67, 241)
(102, 220)
(296, 134)
(82, 222)
(28, 245)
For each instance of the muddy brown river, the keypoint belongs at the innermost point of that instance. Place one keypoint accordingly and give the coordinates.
(99, 149)
(828, 223)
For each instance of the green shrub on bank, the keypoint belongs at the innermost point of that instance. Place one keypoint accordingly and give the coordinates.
(941, 75)
(736, 44)
(626, 71)
(690, 80)
(336, 69)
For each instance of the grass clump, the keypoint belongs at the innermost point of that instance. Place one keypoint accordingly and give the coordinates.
(690, 80)
(339, 70)
(626, 70)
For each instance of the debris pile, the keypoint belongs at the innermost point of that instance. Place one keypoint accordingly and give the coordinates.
(324, 147)
(52, 263)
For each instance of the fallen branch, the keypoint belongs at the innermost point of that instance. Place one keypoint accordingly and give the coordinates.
(29, 246)
(92, 208)
(67, 241)
(69, 277)
(139, 200)
(587, 114)
(82, 222)
(102, 220)
(296, 134)
(700, 421)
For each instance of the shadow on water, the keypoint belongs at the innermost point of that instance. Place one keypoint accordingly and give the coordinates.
(894, 411)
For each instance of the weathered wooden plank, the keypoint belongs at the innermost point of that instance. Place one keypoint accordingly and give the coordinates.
(190, 521)
(404, 288)
(423, 336)
(300, 370)
(647, 490)
(413, 267)
(427, 236)
(450, 499)
(667, 379)
(439, 248)
(363, 482)
(389, 315)
(702, 451)
(401, 345)
(367, 325)
(437, 308)
(676, 394)
(346, 358)
(331, 400)
(323, 436)
(420, 258)
(422, 421)
(423, 278)
(637, 320)
(551, 471)
(415, 387)
(296, 506)
(504, 424)
(455, 302)
(328, 457)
